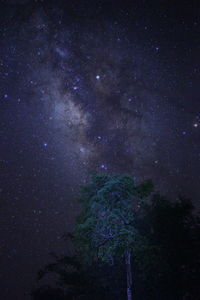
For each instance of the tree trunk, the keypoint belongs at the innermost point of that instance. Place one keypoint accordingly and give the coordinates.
(129, 275)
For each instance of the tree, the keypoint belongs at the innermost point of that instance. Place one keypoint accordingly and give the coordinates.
(173, 227)
(159, 236)
(74, 280)
(106, 227)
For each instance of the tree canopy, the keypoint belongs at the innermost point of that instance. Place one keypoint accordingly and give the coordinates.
(120, 219)
(106, 227)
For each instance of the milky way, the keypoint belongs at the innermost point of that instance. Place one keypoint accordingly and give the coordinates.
(109, 103)
(85, 89)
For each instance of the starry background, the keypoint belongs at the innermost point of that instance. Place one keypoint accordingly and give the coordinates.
(90, 87)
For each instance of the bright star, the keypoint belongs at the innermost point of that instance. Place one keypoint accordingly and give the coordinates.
(45, 144)
(104, 167)
(195, 125)
(98, 77)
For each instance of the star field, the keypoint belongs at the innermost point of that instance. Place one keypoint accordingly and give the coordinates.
(100, 87)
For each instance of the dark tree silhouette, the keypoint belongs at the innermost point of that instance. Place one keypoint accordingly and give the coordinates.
(117, 220)
(106, 227)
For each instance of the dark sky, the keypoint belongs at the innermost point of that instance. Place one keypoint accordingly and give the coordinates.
(90, 86)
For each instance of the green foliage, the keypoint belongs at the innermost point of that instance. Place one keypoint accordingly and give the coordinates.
(145, 188)
(162, 235)
(172, 261)
(106, 227)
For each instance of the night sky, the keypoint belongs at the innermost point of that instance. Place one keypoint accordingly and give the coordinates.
(90, 86)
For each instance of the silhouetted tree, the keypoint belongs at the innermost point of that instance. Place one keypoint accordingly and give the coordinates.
(118, 222)
(173, 229)
(106, 227)
(74, 281)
